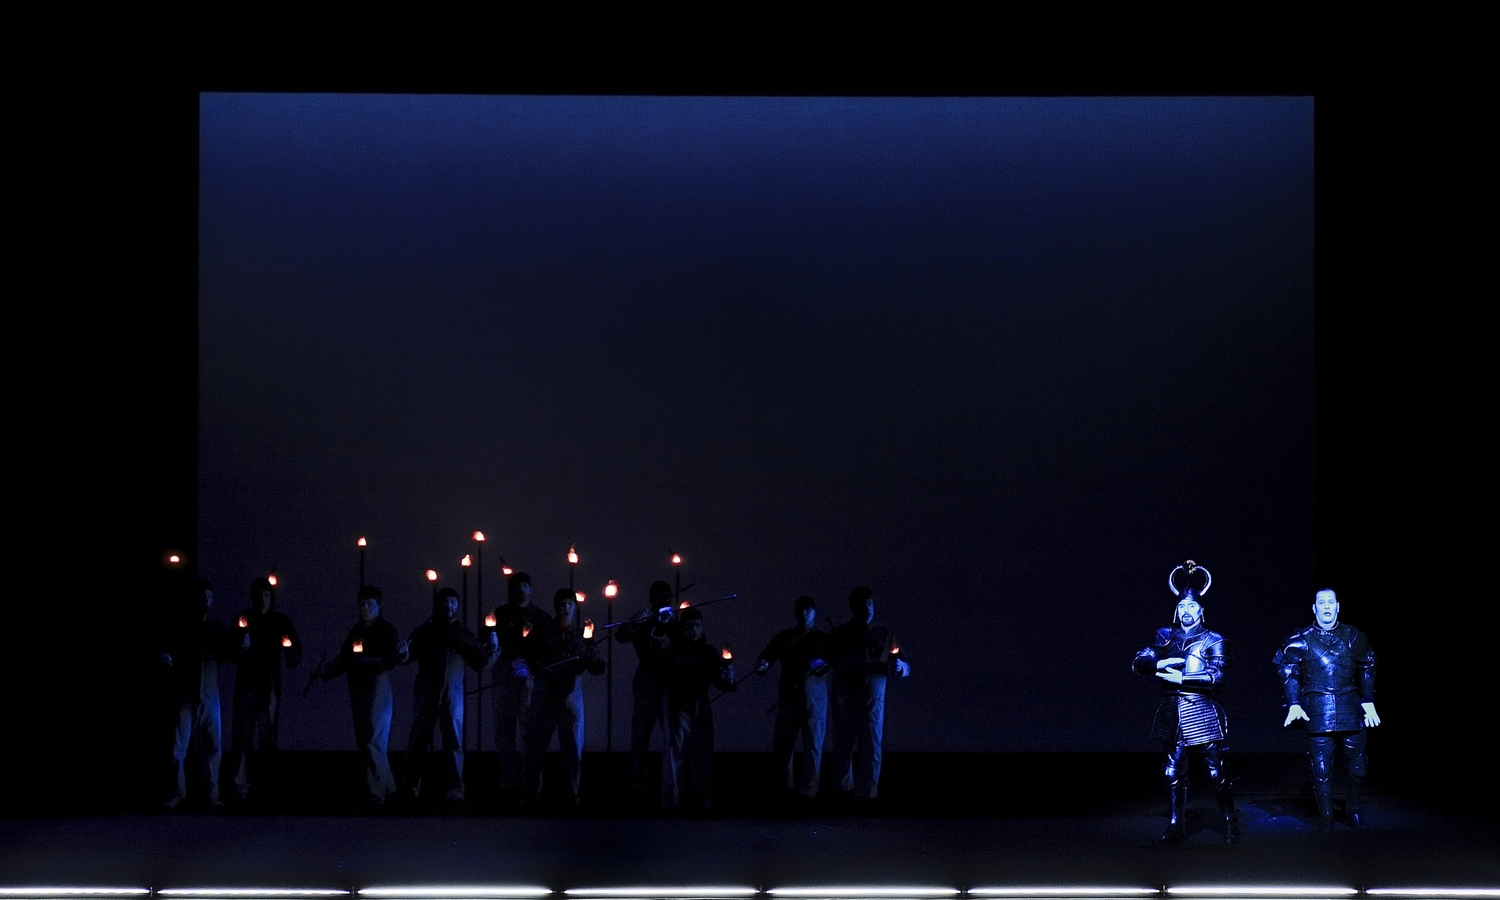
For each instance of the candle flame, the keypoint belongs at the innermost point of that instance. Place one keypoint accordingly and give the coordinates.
(578, 595)
(611, 590)
(432, 575)
(572, 556)
(525, 630)
(588, 628)
(244, 622)
(359, 646)
(174, 559)
(682, 605)
(272, 579)
(466, 562)
(489, 621)
(507, 571)
(725, 653)
(895, 649)
(478, 537)
(676, 560)
(361, 542)
(286, 641)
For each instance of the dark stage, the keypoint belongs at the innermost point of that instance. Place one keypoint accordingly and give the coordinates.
(948, 823)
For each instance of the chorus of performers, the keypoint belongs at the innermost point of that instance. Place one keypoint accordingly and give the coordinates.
(829, 709)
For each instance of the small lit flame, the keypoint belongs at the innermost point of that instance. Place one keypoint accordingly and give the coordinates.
(361, 543)
(611, 590)
(272, 579)
(588, 628)
(895, 649)
(174, 559)
(478, 537)
(432, 575)
(244, 622)
(359, 646)
(682, 605)
(676, 559)
(286, 641)
(507, 571)
(725, 652)
(466, 561)
(525, 630)
(489, 621)
(572, 556)
(578, 595)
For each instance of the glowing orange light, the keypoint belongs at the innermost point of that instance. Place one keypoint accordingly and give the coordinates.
(611, 590)
(272, 579)
(588, 628)
(725, 653)
(525, 630)
(286, 641)
(489, 621)
(359, 646)
(478, 537)
(578, 595)
(431, 575)
(466, 562)
(572, 556)
(506, 570)
(174, 559)
(361, 542)
(244, 622)
(676, 560)
(895, 649)
(682, 605)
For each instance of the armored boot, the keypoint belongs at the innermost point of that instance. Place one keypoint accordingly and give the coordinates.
(1225, 796)
(1323, 793)
(1177, 805)
(1351, 804)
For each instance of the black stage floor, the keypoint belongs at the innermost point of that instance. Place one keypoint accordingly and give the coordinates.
(1002, 836)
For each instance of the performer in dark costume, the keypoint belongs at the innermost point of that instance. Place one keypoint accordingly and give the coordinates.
(372, 649)
(1328, 670)
(510, 680)
(257, 684)
(650, 633)
(1190, 660)
(557, 654)
(441, 647)
(801, 699)
(195, 648)
(863, 656)
(692, 667)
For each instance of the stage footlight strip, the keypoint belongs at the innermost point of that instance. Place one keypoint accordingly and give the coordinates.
(73, 892)
(1065, 892)
(1433, 893)
(1277, 891)
(706, 892)
(836, 891)
(250, 893)
(458, 892)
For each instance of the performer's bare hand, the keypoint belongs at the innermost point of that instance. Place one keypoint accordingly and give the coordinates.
(1371, 718)
(1174, 662)
(1293, 714)
(1172, 675)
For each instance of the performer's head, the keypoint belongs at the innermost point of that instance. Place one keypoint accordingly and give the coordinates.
(563, 603)
(692, 623)
(1189, 613)
(203, 597)
(660, 594)
(369, 603)
(445, 605)
(806, 611)
(262, 596)
(1326, 609)
(862, 604)
(518, 589)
